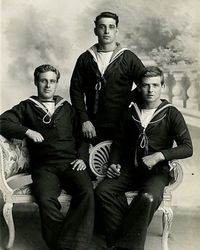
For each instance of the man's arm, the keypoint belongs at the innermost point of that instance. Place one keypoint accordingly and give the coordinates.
(82, 145)
(77, 98)
(88, 129)
(120, 141)
(77, 91)
(12, 122)
(136, 67)
(153, 159)
(181, 135)
(117, 148)
(34, 136)
(11, 125)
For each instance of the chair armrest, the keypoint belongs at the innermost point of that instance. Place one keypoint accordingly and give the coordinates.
(176, 172)
(4, 187)
(15, 156)
(99, 157)
(14, 159)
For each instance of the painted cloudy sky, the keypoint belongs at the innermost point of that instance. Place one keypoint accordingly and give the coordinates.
(34, 32)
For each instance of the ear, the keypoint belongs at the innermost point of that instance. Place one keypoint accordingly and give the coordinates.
(117, 30)
(35, 82)
(95, 31)
(163, 86)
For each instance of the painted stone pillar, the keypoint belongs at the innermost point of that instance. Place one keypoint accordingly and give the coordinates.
(192, 92)
(165, 90)
(178, 90)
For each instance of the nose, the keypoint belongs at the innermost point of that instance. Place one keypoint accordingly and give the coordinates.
(47, 84)
(150, 88)
(106, 30)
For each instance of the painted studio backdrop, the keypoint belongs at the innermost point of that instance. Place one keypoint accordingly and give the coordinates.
(56, 32)
(162, 32)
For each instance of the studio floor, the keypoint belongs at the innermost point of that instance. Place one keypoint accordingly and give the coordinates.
(184, 234)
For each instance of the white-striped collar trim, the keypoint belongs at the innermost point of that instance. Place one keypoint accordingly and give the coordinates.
(40, 105)
(155, 113)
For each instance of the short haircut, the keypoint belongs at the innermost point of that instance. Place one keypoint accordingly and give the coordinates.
(44, 68)
(107, 14)
(152, 71)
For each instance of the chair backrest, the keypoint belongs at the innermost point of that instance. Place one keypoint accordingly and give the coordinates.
(99, 157)
(14, 156)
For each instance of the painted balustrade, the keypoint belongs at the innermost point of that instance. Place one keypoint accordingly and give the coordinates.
(183, 90)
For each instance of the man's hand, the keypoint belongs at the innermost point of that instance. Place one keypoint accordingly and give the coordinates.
(113, 171)
(152, 160)
(34, 136)
(88, 129)
(78, 164)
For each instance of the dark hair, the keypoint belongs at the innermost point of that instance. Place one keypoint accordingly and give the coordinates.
(108, 15)
(44, 68)
(152, 71)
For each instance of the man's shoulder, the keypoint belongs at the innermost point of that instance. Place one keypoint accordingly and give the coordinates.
(130, 54)
(18, 108)
(168, 109)
(169, 106)
(130, 58)
(68, 105)
(174, 111)
(24, 102)
(60, 101)
(85, 55)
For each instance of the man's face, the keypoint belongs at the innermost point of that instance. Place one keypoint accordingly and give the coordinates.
(46, 85)
(106, 30)
(150, 89)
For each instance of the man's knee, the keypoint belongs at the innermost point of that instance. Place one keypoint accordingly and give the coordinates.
(148, 197)
(89, 192)
(102, 192)
(47, 202)
(85, 194)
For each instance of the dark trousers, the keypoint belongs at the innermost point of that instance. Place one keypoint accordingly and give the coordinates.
(103, 134)
(126, 225)
(73, 231)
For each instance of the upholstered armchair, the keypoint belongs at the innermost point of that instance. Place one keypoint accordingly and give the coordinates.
(15, 180)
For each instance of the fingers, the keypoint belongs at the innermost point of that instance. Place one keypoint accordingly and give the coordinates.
(113, 171)
(39, 138)
(79, 165)
(111, 175)
(89, 133)
(94, 132)
(148, 162)
(34, 136)
(88, 130)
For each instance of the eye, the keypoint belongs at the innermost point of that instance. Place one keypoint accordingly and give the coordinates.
(53, 81)
(43, 80)
(101, 26)
(144, 85)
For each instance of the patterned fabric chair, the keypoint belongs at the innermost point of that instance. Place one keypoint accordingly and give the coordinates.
(15, 182)
(98, 163)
